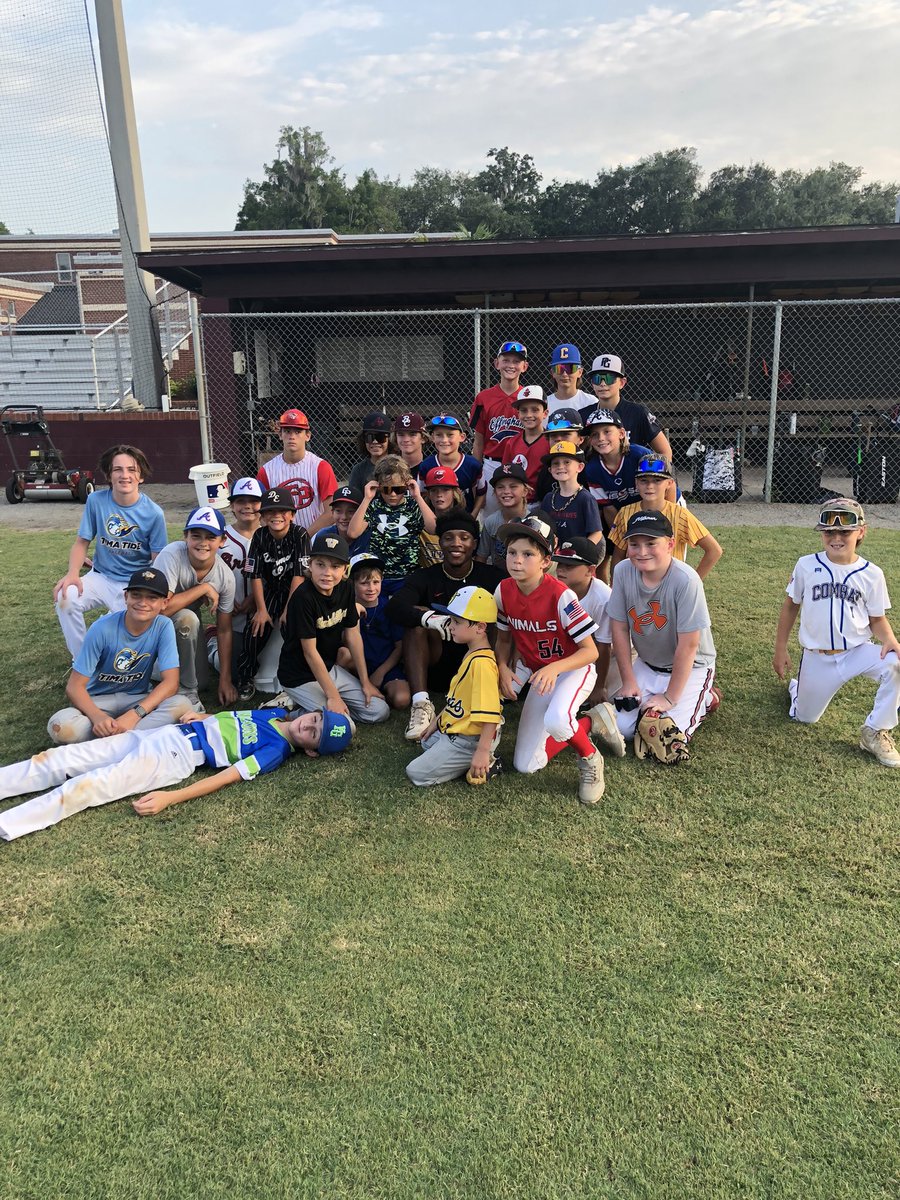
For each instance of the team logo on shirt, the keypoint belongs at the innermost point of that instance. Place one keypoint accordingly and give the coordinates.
(117, 526)
(454, 707)
(331, 621)
(301, 492)
(519, 460)
(640, 622)
(127, 659)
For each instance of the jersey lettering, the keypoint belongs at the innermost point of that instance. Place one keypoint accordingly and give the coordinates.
(653, 616)
(836, 591)
(330, 622)
(532, 626)
(550, 649)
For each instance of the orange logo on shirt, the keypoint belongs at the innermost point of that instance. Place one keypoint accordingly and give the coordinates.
(652, 616)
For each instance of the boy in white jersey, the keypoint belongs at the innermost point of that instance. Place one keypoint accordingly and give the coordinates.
(246, 497)
(242, 744)
(842, 599)
(309, 479)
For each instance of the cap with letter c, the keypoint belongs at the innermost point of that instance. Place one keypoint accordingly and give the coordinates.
(337, 731)
(565, 353)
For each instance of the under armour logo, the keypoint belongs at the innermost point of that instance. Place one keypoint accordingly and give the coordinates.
(653, 616)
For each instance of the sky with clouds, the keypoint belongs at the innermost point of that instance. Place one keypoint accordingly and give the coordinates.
(795, 83)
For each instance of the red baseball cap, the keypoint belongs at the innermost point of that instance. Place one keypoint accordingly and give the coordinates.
(293, 419)
(441, 477)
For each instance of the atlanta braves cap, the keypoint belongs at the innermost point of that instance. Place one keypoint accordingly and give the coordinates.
(207, 518)
(330, 545)
(529, 393)
(148, 579)
(565, 353)
(441, 477)
(564, 418)
(603, 416)
(277, 499)
(579, 550)
(562, 450)
(539, 526)
(246, 488)
(471, 603)
(365, 559)
(293, 419)
(409, 422)
(510, 471)
(608, 362)
(347, 495)
(649, 523)
(337, 731)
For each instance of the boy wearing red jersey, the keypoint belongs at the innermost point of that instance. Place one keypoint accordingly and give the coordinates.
(542, 623)
(529, 446)
(493, 418)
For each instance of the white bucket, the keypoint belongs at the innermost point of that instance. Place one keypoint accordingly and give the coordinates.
(211, 483)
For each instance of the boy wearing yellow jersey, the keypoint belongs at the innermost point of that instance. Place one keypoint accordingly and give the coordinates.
(462, 738)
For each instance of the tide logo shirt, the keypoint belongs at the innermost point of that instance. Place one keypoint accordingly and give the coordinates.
(474, 696)
(546, 625)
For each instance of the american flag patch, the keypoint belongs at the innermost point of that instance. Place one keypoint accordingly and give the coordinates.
(579, 624)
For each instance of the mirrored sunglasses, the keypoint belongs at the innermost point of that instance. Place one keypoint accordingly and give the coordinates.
(839, 519)
(566, 368)
(513, 348)
(604, 377)
(446, 420)
(653, 466)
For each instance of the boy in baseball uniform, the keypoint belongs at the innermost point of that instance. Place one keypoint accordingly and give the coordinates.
(493, 418)
(128, 531)
(842, 599)
(657, 606)
(242, 745)
(462, 738)
(246, 496)
(309, 479)
(110, 688)
(545, 638)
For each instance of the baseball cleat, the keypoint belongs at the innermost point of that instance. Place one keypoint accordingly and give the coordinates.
(247, 692)
(605, 728)
(590, 784)
(879, 743)
(420, 717)
(282, 700)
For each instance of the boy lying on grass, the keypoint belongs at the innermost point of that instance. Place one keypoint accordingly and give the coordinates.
(87, 774)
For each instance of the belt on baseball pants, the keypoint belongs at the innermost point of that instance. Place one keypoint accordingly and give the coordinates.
(659, 670)
(829, 652)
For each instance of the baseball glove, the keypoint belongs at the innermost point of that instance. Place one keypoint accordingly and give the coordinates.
(658, 736)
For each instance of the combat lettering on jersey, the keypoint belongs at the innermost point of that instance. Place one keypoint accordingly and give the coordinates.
(836, 591)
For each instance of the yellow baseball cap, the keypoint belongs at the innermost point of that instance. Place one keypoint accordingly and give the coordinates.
(471, 603)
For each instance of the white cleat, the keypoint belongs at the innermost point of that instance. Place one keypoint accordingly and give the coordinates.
(605, 728)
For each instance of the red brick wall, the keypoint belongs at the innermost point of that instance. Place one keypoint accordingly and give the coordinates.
(171, 441)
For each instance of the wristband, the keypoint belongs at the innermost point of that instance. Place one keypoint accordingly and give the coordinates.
(140, 710)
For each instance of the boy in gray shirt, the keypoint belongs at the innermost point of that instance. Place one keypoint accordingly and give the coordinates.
(657, 606)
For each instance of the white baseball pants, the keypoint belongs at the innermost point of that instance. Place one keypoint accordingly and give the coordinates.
(691, 707)
(97, 591)
(820, 676)
(554, 715)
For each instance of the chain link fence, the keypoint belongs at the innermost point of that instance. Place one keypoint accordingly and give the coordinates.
(796, 398)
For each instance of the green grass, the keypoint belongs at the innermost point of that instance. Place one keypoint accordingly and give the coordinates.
(329, 984)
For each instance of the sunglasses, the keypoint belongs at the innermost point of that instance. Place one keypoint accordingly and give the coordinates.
(566, 368)
(839, 519)
(607, 377)
(553, 426)
(375, 437)
(446, 420)
(656, 466)
(388, 490)
(513, 348)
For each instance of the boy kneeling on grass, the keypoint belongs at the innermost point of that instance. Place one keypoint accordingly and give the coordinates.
(85, 775)
(462, 738)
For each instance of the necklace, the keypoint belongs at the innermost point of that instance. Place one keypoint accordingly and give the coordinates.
(459, 578)
(554, 507)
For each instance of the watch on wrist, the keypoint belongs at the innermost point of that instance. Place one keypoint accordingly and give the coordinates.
(139, 709)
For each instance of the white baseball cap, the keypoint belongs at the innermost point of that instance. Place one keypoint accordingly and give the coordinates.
(608, 362)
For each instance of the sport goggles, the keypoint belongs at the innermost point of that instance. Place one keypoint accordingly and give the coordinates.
(513, 348)
(375, 437)
(388, 490)
(553, 426)
(839, 519)
(566, 368)
(653, 466)
(446, 420)
(604, 377)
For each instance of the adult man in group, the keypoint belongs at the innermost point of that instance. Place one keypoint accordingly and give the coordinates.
(493, 418)
(607, 380)
(430, 657)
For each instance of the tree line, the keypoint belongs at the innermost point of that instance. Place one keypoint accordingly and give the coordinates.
(663, 193)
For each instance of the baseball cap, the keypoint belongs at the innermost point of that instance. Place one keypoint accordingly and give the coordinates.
(654, 465)
(347, 495)
(246, 488)
(513, 348)
(148, 579)
(564, 418)
(579, 550)
(608, 362)
(206, 518)
(409, 422)
(841, 513)
(565, 353)
(365, 559)
(471, 603)
(539, 526)
(376, 422)
(330, 545)
(293, 419)
(511, 470)
(603, 416)
(337, 730)
(529, 393)
(277, 499)
(649, 523)
(457, 520)
(563, 450)
(441, 477)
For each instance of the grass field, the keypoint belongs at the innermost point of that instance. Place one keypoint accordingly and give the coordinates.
(327, 984)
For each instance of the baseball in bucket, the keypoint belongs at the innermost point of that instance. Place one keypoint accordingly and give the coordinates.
(211, 483)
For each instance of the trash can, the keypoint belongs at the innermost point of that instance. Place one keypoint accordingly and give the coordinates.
(211, 483)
